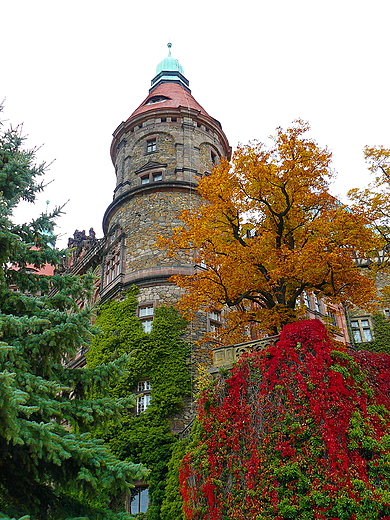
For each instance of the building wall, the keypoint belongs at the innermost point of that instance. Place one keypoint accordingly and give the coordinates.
(185, 146)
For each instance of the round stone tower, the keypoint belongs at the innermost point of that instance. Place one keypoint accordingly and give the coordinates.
(159, 153)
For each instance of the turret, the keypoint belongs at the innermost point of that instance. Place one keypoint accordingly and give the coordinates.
(158, 153)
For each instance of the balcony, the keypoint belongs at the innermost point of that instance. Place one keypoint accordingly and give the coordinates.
(226, 356)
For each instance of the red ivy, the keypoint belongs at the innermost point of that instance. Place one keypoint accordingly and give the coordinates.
(296, 431)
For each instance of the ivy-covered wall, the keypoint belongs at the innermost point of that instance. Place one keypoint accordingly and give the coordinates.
(298, 431)
(160, 357)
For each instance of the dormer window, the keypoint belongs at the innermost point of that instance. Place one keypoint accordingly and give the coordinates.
(156, 99)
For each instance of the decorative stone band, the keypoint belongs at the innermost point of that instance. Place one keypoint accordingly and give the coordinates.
(226, 356)
(144, 278)
(162, 273)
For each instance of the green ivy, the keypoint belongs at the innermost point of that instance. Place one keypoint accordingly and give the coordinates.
(161, 357)
(172, 506)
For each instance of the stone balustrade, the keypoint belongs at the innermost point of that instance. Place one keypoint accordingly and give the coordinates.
(226, 356)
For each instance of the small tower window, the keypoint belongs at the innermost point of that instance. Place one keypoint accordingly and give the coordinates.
(145, 314)
(151, 145)
(151, 177)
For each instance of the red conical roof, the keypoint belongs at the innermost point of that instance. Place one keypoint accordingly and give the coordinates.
(177, 96)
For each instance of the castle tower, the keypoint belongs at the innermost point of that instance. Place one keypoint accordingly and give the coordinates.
(159, 152)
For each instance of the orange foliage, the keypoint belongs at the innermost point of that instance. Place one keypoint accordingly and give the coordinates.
(374, 203)
(268, 230)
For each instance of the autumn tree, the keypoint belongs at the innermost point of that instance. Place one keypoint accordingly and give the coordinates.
(268, 230)
(374, 201)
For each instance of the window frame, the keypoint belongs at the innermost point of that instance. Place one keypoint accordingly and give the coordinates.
(112, 264)
(139, 507)
(143, 394)
(146, 319)
(150, 145)
(214, 321)
(361, 328)
(149, 177)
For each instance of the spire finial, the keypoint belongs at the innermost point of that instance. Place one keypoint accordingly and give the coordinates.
(169, 49)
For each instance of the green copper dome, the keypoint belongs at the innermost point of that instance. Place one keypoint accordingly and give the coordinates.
(169, 63)
(169, 70)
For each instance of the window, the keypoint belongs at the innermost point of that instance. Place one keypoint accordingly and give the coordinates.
(112, 266)
(143, 400)
(139, 500)
(151, 145)
(361, 330)
(317, 304)
(145, 313)
(214, 321)
(144, 386)
(387, 313)
(156, 99)
(306, 300)
(151, 177)
(332, 318)
(250, 233)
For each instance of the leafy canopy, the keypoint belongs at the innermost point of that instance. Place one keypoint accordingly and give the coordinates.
(48, 455)
(374, 201)
(267, 231)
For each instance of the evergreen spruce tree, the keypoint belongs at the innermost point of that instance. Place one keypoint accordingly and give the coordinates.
(48, 458)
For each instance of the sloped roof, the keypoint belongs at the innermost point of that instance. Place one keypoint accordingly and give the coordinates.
(177, 96)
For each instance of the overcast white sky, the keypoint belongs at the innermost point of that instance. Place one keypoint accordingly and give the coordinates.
(72, 71)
